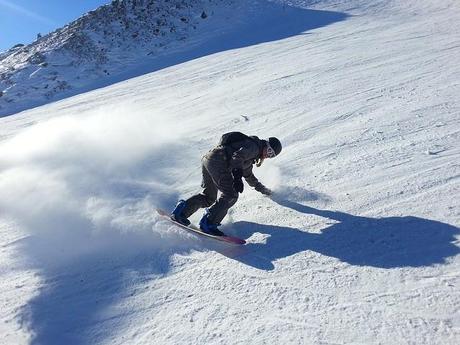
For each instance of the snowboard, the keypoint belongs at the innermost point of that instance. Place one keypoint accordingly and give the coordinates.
(196, 230)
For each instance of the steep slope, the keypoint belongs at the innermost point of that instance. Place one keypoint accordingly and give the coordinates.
(96, 48)
(359, 244)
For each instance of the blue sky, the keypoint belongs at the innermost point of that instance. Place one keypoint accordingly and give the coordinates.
(21, 20)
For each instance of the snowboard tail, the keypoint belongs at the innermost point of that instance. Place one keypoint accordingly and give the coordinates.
(198, 231)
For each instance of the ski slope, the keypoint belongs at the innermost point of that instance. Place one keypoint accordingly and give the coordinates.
(358, 245)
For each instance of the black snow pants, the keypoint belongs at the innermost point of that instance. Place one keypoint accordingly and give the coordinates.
(217, 177)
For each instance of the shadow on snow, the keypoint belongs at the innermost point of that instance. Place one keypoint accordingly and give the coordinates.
(79, 301)
(274, 23)
(84, 273)
(389, 242)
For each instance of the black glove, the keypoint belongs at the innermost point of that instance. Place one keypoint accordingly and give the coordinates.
(262, 189)
(237, 174)
(237, 184)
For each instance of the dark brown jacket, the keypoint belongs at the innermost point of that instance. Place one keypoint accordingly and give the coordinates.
(241, 155)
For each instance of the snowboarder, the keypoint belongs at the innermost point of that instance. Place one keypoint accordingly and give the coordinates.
(223, 169)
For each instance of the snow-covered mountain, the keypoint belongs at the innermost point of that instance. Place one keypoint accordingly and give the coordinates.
(360, 242)
(101, 46)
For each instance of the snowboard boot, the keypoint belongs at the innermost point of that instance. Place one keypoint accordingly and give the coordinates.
(209, 228)
(177, 215)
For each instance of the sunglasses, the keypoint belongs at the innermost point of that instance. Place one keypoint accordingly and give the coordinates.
(270, 152)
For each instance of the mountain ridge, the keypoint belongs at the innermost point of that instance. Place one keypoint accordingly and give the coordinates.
(99, 44)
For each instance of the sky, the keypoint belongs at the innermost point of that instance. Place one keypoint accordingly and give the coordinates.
(22, 20)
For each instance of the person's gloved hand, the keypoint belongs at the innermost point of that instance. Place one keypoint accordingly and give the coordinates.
(264, 190)
(237, 184)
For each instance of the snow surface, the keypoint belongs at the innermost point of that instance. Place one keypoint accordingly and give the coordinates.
(359, 244)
